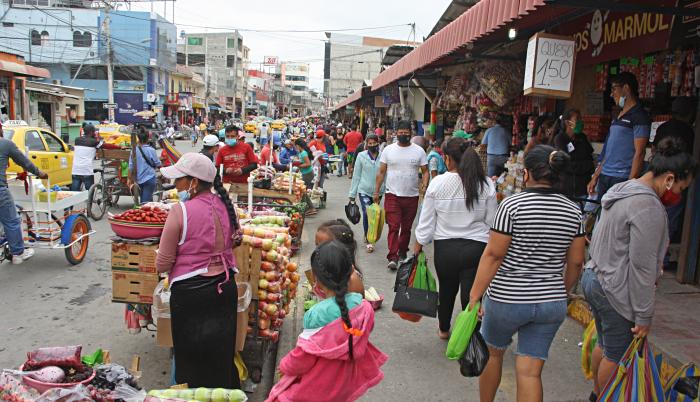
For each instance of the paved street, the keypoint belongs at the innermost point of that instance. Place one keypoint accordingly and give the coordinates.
(47, 302)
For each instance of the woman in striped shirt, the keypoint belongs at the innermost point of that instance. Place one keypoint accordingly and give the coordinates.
(533, 258)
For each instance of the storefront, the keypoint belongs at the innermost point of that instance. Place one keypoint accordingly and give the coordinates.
(13, 71)
(55, 107)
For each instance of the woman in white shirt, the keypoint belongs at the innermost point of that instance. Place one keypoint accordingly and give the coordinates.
(457, 212)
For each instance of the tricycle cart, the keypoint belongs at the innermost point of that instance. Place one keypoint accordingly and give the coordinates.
(51, 220)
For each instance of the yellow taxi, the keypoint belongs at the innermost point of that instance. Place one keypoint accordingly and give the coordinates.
(114, 133)
(250, 127)
(278, 124)
(48, 152)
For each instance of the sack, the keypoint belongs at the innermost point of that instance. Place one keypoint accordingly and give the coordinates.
(464, 327)
(683, 384)
(590, 338)
(375, 223)
(474, 361)
(420, 296)
(352, 212)
(637, 377)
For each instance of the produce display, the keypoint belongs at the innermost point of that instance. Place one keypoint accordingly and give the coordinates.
(198, 394)
(144, 214)
(282, 183)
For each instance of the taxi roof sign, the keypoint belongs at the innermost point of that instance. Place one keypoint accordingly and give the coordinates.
(9, 123)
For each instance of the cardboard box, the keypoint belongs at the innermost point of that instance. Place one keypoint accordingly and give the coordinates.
(164, 335)
(133, 287)
(134, 257)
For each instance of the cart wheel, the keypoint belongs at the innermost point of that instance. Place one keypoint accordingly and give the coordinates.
(76, 253)
(97, 202)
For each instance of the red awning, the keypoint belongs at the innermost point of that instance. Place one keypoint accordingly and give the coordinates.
(354, 97)
(24, 69)
(481, 19)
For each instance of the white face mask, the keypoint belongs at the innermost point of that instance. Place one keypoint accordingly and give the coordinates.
(621, 102)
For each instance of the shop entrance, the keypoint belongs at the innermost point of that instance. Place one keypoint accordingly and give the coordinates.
(45, 113)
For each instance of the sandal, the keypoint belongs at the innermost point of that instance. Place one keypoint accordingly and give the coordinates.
(311, 212)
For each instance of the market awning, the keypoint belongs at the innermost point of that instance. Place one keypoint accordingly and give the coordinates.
(484, 17)
(31, 88)
(354, 97)
(24, 69)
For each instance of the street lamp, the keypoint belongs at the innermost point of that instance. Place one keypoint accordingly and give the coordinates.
(512, 33)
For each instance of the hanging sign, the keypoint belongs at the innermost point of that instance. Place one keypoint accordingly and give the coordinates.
(549, 66)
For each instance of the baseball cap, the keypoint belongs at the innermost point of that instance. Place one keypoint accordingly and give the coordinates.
(287, 142)
(462, 134)
(210, 140)
(320, 133)
(191, 164)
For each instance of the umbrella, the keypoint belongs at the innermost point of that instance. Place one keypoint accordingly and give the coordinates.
(145, 113)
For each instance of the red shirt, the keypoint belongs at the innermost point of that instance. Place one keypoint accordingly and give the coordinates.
(352, 140)
(265, 155)
(236, 157)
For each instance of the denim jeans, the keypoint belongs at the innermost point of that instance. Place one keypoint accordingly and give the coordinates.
(11, 222)
(78, 180)
(365, 201)
(605, 182)
(147, 189)
(535, 323)
(496, 164)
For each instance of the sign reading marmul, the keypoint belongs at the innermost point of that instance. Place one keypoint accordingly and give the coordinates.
(549, 66)
(270, 60)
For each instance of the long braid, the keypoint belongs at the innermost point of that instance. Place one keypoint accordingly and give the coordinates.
(344, 313)
(223, 194)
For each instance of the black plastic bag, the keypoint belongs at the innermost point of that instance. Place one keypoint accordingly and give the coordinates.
(403, 273)
(474, 361)
(352, 211)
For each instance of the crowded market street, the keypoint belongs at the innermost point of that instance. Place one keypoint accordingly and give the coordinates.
(45, 301)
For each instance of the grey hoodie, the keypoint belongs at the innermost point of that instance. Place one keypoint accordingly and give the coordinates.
(628, 247)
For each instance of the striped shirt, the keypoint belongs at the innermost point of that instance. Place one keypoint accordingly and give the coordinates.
(542, 224)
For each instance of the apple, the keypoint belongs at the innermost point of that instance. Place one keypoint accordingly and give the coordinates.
(296, 277)
(275, 336)
(256, 242)
(271, 276)
(237, 395)
(283, 313)
(259, 232)
(263, 283)
(262, 295)
(267, 266)
(248, 230)
(219, 395)
(267, 244)
(265, 333)
(274, 287)
(202, 394)
(273, 297)
(263, 324)
(292, 267)
(246, 239)
(271, 309)
(277, 323)
(270, 234)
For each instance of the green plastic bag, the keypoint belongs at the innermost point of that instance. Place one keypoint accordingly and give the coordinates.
(375, 223)
(424, 278)
(462, 332)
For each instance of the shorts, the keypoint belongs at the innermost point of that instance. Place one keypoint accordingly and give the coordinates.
(535, 323)
(351, 157)
(614, 331)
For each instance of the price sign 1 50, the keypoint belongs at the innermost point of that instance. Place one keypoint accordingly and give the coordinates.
(555, 60)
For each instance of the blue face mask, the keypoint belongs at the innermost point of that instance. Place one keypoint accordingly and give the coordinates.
(231, 142)
(183, 195)
(621, 102)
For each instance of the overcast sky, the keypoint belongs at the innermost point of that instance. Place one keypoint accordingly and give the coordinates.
(280, 15)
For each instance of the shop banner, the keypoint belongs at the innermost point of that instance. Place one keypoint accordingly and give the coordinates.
(605, 35)
(390, 93)
(686, 29)
(127, 105)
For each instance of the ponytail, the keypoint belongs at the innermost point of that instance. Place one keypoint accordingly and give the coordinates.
(345, 314)
(544, 163)
(470, 168)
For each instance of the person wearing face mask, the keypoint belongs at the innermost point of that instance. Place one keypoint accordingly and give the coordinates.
(86, 147)
(196, 251)
(627, 252)
(400, 164)
(237, 157)
(573, 141)
(623, 154)
(363, 181)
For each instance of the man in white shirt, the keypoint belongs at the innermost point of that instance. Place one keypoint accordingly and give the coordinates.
(86, 147)
(400, 163)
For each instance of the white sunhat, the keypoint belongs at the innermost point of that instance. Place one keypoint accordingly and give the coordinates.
(210, 140)
(193, 165)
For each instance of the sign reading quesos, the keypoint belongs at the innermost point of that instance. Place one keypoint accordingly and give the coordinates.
(549, 66)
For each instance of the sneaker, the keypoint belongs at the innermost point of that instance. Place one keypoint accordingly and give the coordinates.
(370, 248)
(18, 259)
(393, 266)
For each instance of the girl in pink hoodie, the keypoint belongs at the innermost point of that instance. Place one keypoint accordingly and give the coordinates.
(334, 359)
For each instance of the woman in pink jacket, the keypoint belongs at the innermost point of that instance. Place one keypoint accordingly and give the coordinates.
(334, 359)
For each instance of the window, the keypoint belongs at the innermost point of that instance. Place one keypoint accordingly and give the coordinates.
(231, 43)
(196, 60)
(8, 24)
(124, 73)
(298, 88)
(194, 41)
(181, 59)
(7, 133)
(36, 38)
(44, 3)
(229, 83)
(83, 39)
(32, 140)
(89, 72)
(54, 143)
(230, 60)
(44, 38)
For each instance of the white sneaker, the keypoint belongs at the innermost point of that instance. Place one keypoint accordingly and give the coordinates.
(18, 259)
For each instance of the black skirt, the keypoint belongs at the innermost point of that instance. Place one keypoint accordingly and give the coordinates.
(204, 331)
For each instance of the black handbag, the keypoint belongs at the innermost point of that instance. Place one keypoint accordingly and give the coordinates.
(413, 300)
(474, 360)
(352, 211)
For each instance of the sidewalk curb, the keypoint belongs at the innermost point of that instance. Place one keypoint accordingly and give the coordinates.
(579, 311)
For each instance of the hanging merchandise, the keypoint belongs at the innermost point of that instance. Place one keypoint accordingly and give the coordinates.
(502, 81)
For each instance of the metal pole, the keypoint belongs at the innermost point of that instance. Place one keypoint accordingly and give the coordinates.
(110, 75)
(235, 74)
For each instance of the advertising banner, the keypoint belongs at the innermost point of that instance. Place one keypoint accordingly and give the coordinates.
(127, 105)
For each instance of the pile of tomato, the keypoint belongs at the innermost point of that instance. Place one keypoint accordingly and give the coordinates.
(144, 214)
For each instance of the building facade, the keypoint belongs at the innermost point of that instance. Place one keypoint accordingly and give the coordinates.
(222, 60)
(75, 41)
(349, 60)
(295, 77)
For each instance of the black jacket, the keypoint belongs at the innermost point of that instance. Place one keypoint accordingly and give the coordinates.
(575, 180)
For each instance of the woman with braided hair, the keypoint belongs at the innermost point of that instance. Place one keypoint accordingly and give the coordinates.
(320, 367)
(196, 251)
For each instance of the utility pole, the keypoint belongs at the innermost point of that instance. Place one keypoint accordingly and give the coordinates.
(235, 74)
(110, 74)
